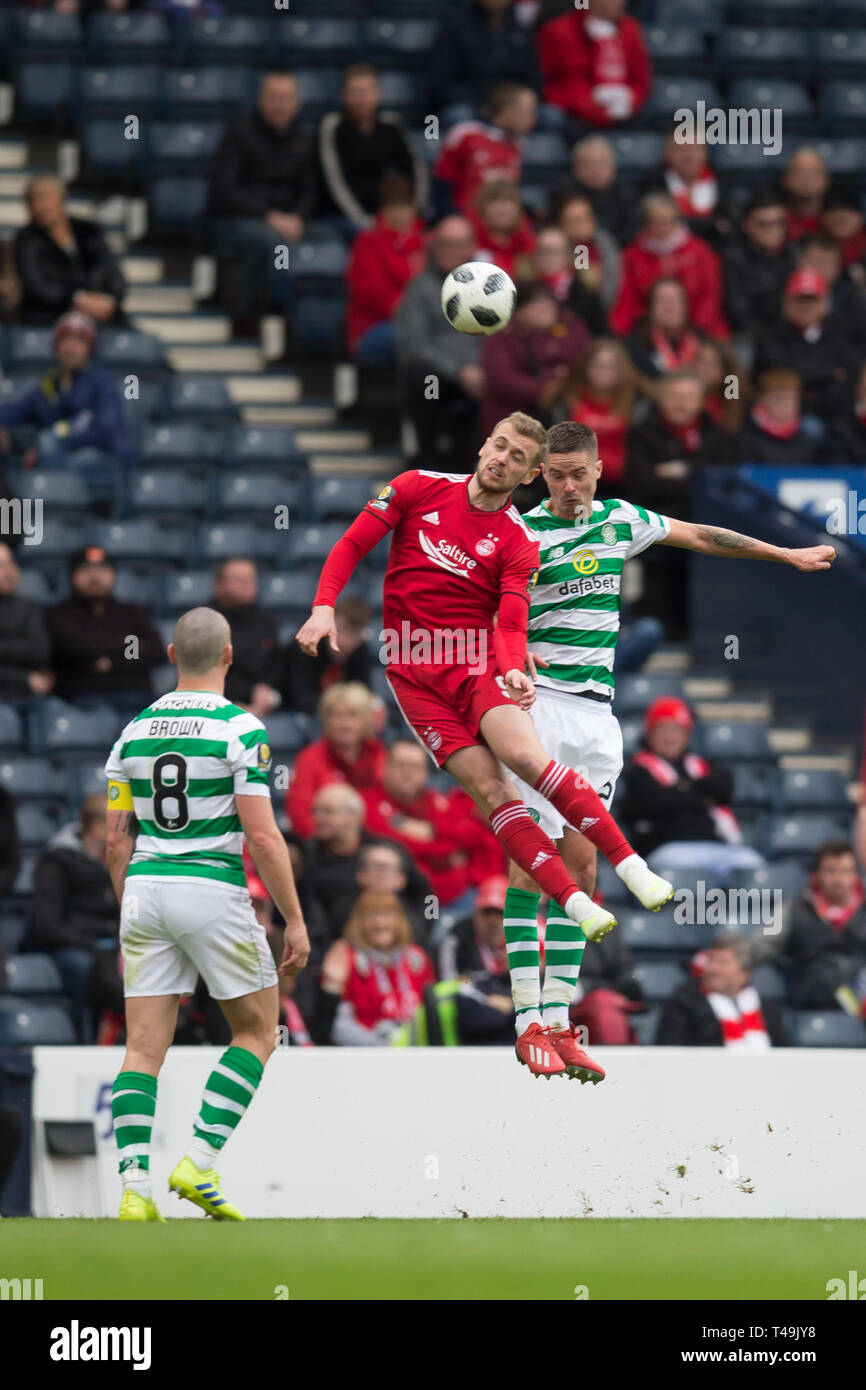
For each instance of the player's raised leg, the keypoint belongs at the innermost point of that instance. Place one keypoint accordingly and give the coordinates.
(510, 733)
(228, 1092)
(150, 1025)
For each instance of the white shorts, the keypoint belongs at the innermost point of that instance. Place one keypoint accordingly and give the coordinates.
(582, 734)
(172, 931)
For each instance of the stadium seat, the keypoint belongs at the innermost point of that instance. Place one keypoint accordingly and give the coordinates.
(177, 204)
(404, 92)
(704, 16)
(735, 742)
(645, 1025)
(610, 886)
(62, 728)
(135, 586)
(29, 779)
(632, 730)
(340, 499)
(107, 154)
(311, 545)
(634, 694)
(13, 929)
(815, 1029)
(231, 38)
(243, 494)
(161, 490)
(754, 787)
(545, 156)
(307, 41)
(684, 877)
(144, 540)
(228, 538)
(192, 589)
(289, 733)
(34, 584)
(23, 886)
(35, 826)
(800, 836)
(842, 107)
(59, 491)
(677, 48)
(182, 147)
(26, 1024)
(114, 38)
(85, 779)
(32, 975)
(60, 537)
(44, 35)
(799, 14)
(672, 94)
(637, 152)
(764, 52)
(786, 878)
(133, 89)
(44, 90)
(845, 13)
(405, 43)
(845, 157)
(658, 978)
(820, 790)
(28, 348)
(773, 94)
(747, 166)
(262, 447)
(216, 93)
(840, 53)
(654, 933)
(289, 593)
(319, 90)
(130, 351)
(318, 323)
(318, 266)
(769, 982)
(178, 442)
(201, 399)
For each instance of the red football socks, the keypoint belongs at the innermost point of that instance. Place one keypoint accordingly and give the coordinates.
(579, 805)
(534, 851)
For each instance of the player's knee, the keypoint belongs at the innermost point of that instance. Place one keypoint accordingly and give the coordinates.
(494, 793)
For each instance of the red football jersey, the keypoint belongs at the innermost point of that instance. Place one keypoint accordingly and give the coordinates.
(472, 154)
(450, 562)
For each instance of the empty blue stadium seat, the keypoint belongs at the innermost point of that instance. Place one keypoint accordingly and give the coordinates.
(545, 154)
(648, 932)
(245, 493)
(819, 790)
(842, 106)
(769, 982)
(218, 92)
(169, 490)
(62, 728)
(319, 266)
(29, 347)
(192, 589)
(127, 37)
(13, 929)
(800, 835)
(342, 498)
(775, 94)
(26, 1024)
(32, 975)
(765, 52)
(844, 12)
(35, 826)
(676, 48)
(263, 446)
(634, 694)
(60, 537)
(306, 41)
(28, 778)
(34, 584)
(840, 53)
(143, 540)
(815, 1029)
(284, 593)
(132, 89)
(735, 742)
(318, 322)
(177, 203)
(704, 16)
(403, 43)
(845, 157)
(231, 38)
(405, 92)
(45, 34)
(671, 94)
(202, 398)
(682, 876)
(43, 89)
(645, 1025)
(753, 787)
(747, 165)
(288, 733)
(799, 14)
(610, 885)
(181, 442)
(228, 538)
(182, 147)
(787, 878)
(106, 151)
(62, 492)
(658, 978)
(319, 90)
(135, 586)
(311, 545)
(85, 779)
(636, 152)
(124, 348)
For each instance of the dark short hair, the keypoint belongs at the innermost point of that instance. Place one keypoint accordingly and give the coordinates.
(832, 849)
(353, 610)
(360, 70)
(502, 94)
(763, 198)
(570, 437)
(234, 560)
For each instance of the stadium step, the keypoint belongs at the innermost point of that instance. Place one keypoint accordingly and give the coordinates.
(818, 762)
(143, 270)
(14, 154)
(296, 417)
(356, 465)
(706, 687)
(222, 358)
(159, 299)
(186, 329)
(754, 711)
(795, 740)
(264, 389)
(667, 661)
(336, 441)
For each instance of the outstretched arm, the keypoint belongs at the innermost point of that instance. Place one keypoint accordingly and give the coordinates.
(364, 533)
(715, 540)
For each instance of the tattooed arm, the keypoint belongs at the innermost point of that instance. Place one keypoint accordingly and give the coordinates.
(122, 832)
(715, 540)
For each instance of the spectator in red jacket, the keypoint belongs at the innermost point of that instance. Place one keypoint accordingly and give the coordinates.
(502, 229)
(384, 258)
(601, 393)
(804, 183)
(476, 152)
(375, 972)
(346, 752)
(525, 366)
(665, 247)
(700, 195)
(595, 64)
(441, 836)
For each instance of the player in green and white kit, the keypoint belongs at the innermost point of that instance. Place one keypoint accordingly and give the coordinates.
(187, 780)
(573, 629)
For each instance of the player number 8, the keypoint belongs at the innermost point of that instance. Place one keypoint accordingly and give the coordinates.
(170, 790)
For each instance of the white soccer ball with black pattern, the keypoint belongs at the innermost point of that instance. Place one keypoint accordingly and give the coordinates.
(478, 297)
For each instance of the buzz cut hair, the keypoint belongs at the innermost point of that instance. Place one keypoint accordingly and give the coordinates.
(570, 437)
(528, 428)
(200, 637)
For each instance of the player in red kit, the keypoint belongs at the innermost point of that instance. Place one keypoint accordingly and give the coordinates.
(461, 559)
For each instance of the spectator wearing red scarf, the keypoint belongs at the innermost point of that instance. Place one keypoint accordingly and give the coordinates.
(384, 258)
(666, 248)
(478, 152)
(346, 752)
(502, 229)
(774, 431)
(804, 184)
(595, 64)
(526, 364)
(726, 384)
(374, 975)
(701, 196)
(601, 394)
(842, 220)
(677, 437)
(665, 339)
(719, 1006)
(823, 938)
(596, 259)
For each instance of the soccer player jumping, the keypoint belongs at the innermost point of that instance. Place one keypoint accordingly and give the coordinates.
(573, 630)
(461, 557)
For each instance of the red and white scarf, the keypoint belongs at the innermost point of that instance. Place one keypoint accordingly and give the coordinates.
(696, 199)
(836, 915)
(764, 420)
(740, 1020)
(726, 822)
(668, 354)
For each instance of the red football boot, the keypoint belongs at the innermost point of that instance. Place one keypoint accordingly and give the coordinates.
(577, 1062)
(534, 1050)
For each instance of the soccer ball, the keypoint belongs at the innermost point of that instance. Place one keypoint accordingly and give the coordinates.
(478, 298)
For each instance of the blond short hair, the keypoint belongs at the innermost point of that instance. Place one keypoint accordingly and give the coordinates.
(528, 428)
(354, 696)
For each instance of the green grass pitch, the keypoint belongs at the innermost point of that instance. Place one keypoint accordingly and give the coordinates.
(454, 1259)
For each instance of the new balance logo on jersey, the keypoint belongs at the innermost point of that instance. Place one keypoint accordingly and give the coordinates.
(586, 823)
(539, 859)
(447, 556)
(432, 517)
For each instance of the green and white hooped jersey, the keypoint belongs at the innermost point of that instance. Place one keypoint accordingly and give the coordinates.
(574, 604)
(185, 759)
